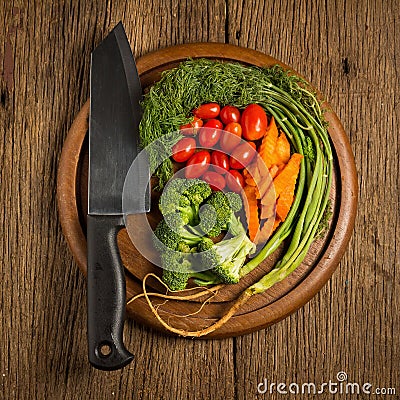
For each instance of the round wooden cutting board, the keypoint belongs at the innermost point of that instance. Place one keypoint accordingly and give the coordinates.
(261, 310)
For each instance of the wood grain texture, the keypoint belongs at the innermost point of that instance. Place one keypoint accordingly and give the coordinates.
(348, 49)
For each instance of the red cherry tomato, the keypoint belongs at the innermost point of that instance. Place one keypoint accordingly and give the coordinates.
(191, 127)
(197, 164)
(254, 122)
(214, 179)
(229, 141)
(234, 180)
(242, 155)
(220, 160)
(207, 111)
(184, 149)
(209, 137)
(229, 114)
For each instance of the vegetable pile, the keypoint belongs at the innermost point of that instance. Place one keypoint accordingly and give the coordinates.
(281, 119)
(230, 161)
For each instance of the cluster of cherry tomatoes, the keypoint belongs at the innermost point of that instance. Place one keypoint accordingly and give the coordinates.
(227, 154)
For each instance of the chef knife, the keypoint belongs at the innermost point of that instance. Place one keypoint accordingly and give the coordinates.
(115, 94)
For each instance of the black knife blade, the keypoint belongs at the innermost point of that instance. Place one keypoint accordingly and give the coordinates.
(115, 95)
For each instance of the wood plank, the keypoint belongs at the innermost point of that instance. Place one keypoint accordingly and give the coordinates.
(344, 49)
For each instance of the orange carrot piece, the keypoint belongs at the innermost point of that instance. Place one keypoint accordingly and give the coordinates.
(268, 208)
(265, 231)
(250, 181)
(284, 202)
(273, 171)
(276, 223)
(272, 128)
(252, 212)
(247, 174)
(268, 144)
(286, 196)
(288, 175)
(265, 187)
(282, 149)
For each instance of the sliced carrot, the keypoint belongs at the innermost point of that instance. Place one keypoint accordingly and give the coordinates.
(284, 202)
(268, 144)
(252, 212)
(276, 223)
(288, 175)
(265, 231)
(268, 207)
(286, 195)
(273, 171)
(250, 181)
(282, 149)
(257, 175)
(265, 187)
(247, 174)
(272, 128)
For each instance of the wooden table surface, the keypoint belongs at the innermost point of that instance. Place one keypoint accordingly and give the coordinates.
(348, 49)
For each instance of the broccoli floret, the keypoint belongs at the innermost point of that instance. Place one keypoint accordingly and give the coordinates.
(208, 221)
(205, 244)
(166, 236)
(235, 201)
(173, 278)
(174, 248)
(218, 213)
(182, 197)
(178, 270)
(228, 272)
(228, 256)
(198, 191)
(175, 239)
(173, 202)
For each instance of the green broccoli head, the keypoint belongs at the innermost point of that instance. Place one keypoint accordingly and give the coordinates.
(175, 280)
(226, 257)
(229, 272)
(209, 223)
(166, 236)
(197, 191)
(178, 239)
(205, 244)
(182, 197)
(178, 234)
(235, 201)
(218, 212)
(178, 269)
(171, 196)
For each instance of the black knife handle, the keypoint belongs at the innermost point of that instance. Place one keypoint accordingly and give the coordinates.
(106, 294)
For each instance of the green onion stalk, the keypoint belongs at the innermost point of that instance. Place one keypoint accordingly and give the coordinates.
(313, 187)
